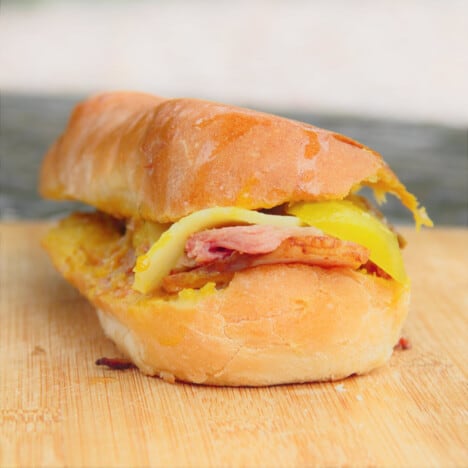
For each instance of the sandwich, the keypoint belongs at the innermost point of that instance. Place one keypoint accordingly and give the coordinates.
(228, 246)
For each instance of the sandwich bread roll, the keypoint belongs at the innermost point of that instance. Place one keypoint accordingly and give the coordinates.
(228, 246)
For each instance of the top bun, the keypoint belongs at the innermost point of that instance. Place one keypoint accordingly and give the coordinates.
(137, 155)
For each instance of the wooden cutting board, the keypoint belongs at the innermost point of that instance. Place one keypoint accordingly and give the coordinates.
(58, 409)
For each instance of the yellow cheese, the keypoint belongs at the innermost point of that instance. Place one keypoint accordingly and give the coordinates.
(346, 221)
(154, 265)
(145, 234)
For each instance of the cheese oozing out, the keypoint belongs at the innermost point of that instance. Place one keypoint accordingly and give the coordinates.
(347, 221)
(342, 219)
(154, 265)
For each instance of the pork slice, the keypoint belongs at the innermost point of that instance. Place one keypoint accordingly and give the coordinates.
(215, 244)
(322, 251)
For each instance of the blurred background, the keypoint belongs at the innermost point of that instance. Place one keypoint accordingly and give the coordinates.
(392, 74)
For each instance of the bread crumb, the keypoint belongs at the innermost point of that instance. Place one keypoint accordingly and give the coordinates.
(359, 397)
(167, 377)
(340, 388)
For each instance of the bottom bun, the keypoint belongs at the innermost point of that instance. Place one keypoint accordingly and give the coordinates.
(271, 324)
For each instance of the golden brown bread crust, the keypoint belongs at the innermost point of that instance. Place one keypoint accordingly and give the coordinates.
(271, 324)
(137, 155)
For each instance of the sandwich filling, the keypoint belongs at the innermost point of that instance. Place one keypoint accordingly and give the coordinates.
(211, 245)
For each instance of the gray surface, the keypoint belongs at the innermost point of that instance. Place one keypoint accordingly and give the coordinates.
(431, 160)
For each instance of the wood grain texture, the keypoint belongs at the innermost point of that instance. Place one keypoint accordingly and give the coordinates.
(58, 409)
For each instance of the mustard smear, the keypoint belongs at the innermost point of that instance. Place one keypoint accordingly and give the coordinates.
(347, 221)
(190, 295)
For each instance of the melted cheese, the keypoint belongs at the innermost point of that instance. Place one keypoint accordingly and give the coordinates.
(347, 221)
(387, 182)
(154, 265)
(342, 219)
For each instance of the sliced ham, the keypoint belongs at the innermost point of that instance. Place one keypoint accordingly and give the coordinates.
(215, 244)
(216, 256)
